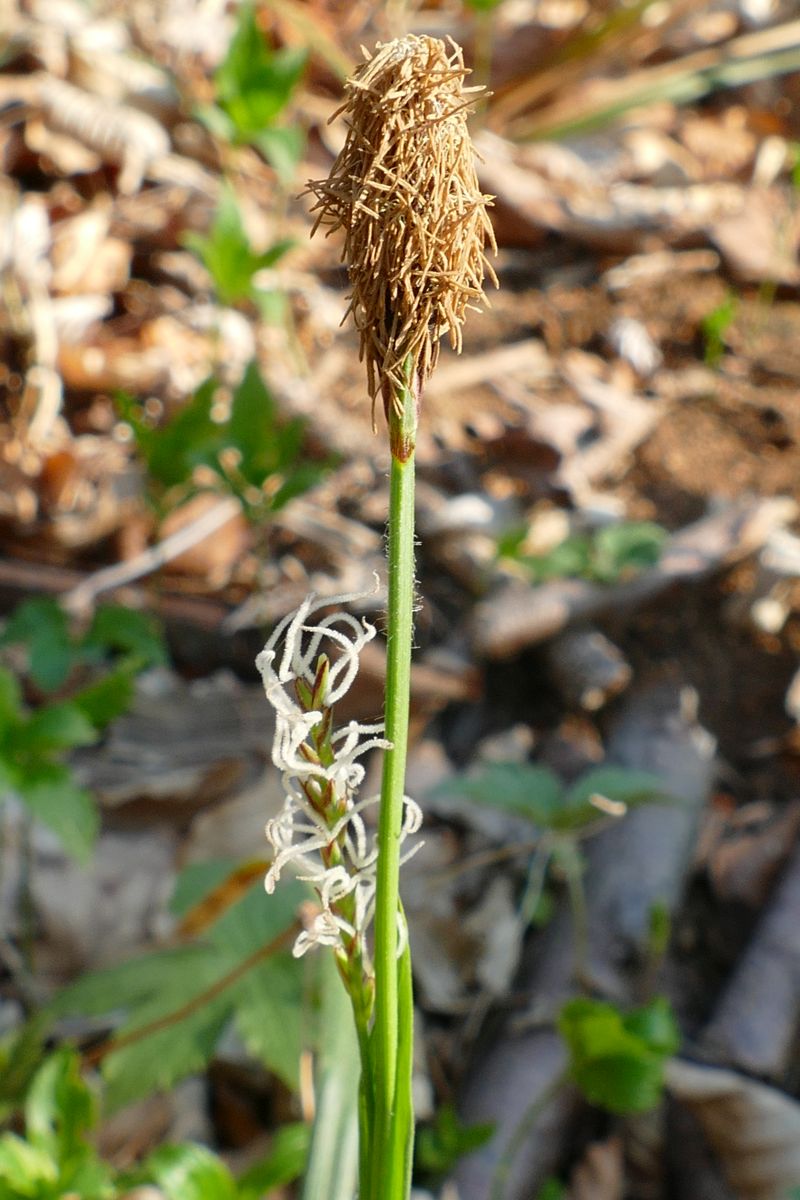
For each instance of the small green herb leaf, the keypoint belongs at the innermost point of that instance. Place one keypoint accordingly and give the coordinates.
(616, 1059)
(190, 1172)
(53, 797)
(42, 626)
(440, 1146)
(522, 789)
(285, 1162)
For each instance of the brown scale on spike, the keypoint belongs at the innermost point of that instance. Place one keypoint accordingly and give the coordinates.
(405, 191)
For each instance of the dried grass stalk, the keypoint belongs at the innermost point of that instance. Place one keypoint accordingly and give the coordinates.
(405, 191)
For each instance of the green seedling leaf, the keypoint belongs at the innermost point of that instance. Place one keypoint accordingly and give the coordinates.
(53, 797)
(626, 548)
(618, 784)
(551, 1189)
(42, 626)
(255, 83)
(572, 558)
(59, 1110)
(57, 1155)
(605, 556)
(282, 148)
(26, 1171)
(285, 1162)
(714, 327)
(182, 1000)
(54, 727)
(10, 702)
(226, 252)
(102, 702)
(254, 454)
(522, 789)
(190, 1172)
(616, 1059)
(439, 1146)
(126, 631)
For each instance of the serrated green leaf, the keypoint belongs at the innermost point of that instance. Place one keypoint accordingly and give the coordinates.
(54, 727)
(523, 789)
(285, 1162)
(54, 798)
(186, 991)
(190, 1172)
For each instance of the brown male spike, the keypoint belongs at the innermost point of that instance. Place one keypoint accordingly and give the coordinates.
(405, 191)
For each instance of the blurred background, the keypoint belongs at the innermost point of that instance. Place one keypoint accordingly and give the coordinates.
(606, 686)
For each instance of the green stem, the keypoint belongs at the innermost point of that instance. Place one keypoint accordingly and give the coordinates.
(388, 1163)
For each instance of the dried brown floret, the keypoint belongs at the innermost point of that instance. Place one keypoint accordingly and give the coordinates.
(405, 191)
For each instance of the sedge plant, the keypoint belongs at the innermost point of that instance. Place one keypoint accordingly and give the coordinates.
(404, 193)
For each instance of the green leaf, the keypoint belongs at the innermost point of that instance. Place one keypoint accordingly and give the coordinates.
(25, 1171)
(55, 727)
(551, 1189)
(105, 700)
(441, 1145)
(60, 1110)
(127, 631)
(523, 789)
(53, 797)
(42, 625)
(171, 988)
(285, 1162)
(10, 701)
(191, 439)
(190, 1172)
(622, 784)
(226, 251)
(618, 1060)
(254, 83)
(715, 325)
(282, 147)
(626, 548)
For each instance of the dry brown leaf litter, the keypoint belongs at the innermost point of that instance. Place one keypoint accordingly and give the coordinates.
(405, 191)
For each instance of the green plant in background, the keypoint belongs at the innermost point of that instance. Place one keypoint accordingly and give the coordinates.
(617, 1059)
(560, 818)
(442, 1143)
(97, 670)
(56, 1157)
(253, 86)
(226, 253)
(179, 1002)
(251, 454)
(606, 555)
(714, 326)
